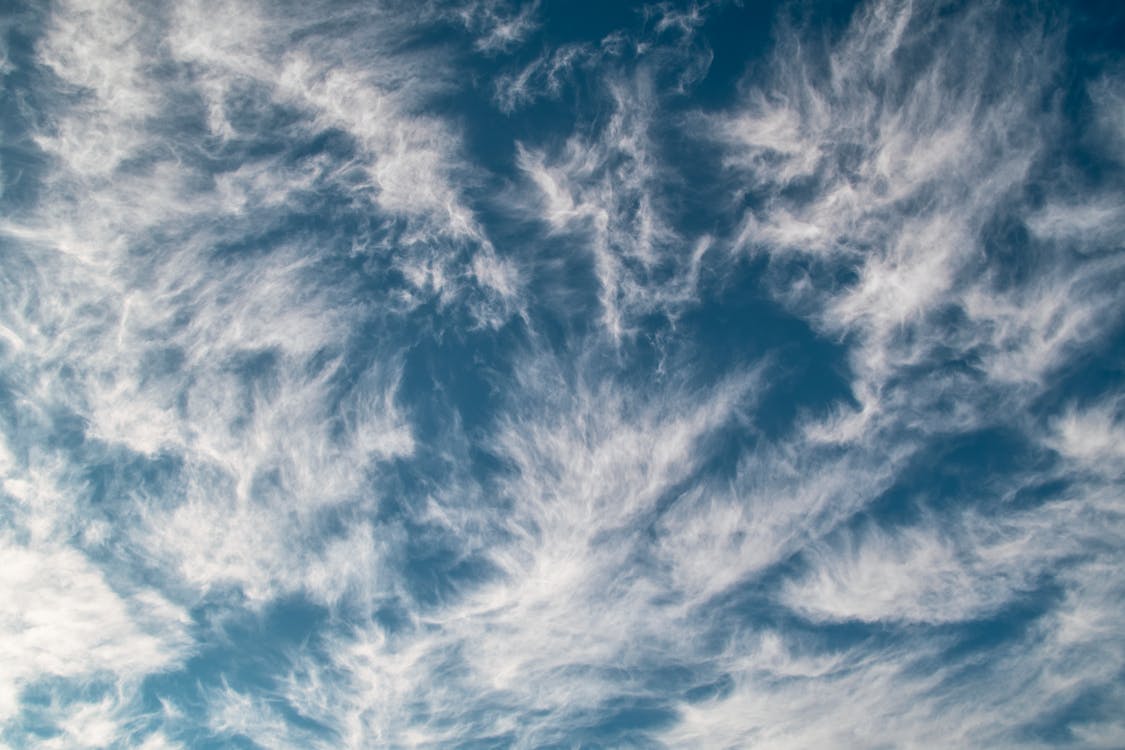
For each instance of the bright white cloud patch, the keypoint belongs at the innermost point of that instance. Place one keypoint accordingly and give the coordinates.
(528, 374)
(61, 619)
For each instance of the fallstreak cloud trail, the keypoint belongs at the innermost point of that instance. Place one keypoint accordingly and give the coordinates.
(489, 373)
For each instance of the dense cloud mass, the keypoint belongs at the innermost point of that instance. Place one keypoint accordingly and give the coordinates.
(489, 373)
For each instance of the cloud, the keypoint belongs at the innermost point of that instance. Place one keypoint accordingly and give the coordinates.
(177, 342)
(910, 576)
(523, 648)
(1107, 94)
(163, 324)
(790, 691)
(718, 537)
(891, 173)
(235, 714)
(1091, 437)
(605, 192)
(542, 77)
(498, 25)
(62, 619)
(336, 411)
(1098, 226)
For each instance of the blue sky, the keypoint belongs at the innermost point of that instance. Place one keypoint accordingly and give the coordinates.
(488, 374)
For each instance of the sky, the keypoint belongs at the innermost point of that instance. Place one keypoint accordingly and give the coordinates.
(562, 374)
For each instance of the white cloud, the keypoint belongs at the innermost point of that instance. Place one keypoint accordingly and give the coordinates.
(718, 537)
(543, 77)
(1093, 438)
(1107, 94)
(166, 304)
(232, 360)
(521, 650)
(604, 192)
(60, 618)
(891, 173)
(237, 714)
(912, 575)
(1097, 225)
(499, 26)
